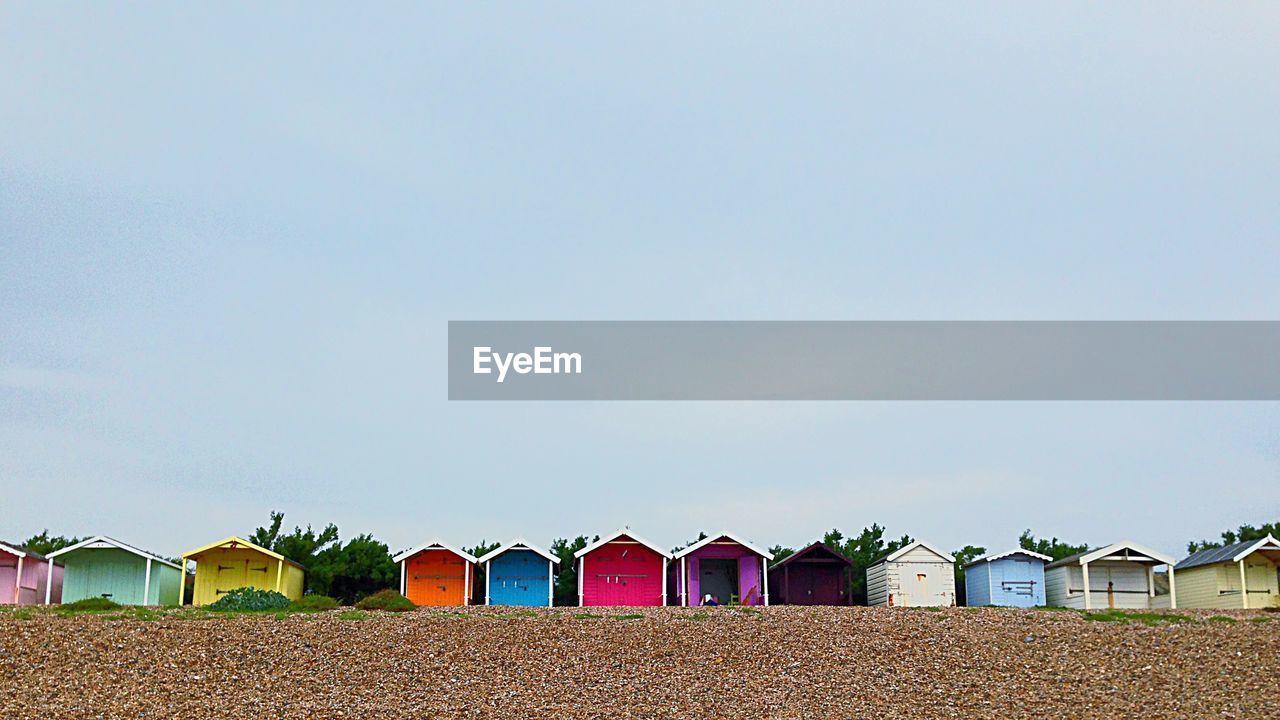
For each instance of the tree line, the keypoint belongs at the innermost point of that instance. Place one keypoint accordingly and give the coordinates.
(362, 565)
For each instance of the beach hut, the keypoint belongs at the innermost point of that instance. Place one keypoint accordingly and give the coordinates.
(519, 573)
(28, 578)
(1243, 575)
(103, 567)
(1014, 578)
(622, 569)
(236, 563)
(724, 566)
(1120, 575)
(812, 576)
(436, 574)
(918, 575)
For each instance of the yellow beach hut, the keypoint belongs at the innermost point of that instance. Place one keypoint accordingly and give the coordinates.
(1243, 575)
(236, 563)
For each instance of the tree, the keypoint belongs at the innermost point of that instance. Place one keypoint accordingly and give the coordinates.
(701, 536)
(781, 553)
(964, 556)
(1054, 548)
(862, 552)
(1244, 533)
(300, 546)
(566, 589)
(43, 544)
(354, 571)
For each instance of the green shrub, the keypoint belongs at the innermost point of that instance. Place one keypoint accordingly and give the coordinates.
(93, 604)
(250, 600)
(389, 600)
(313, 603)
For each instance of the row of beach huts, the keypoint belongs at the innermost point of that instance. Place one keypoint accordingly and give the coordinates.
(624, 569)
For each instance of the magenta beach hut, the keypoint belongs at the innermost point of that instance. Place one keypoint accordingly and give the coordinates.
(24, 576)
(725, 567)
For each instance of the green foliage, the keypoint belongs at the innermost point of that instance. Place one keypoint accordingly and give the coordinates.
(313, 603)
(1146, 618)
(300, 546)
(566, 590)
(483, 548)
(1222, 619)
(586, 616)
(1054, 548)
(93, 604)
(353, 615)
(349, 572)
(863, 551)
(781, 553)
(250, 600)
(964, 556)
(701, 536)
(388, 600)
(1244, 533)
(43, 544)
(628, 616)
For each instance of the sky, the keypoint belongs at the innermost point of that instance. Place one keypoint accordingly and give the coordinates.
(232, 236)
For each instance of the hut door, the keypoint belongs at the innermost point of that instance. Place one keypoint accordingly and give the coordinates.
(718, 578)
(229, 573)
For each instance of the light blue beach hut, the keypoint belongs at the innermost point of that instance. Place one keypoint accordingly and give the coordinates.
(1009, 579)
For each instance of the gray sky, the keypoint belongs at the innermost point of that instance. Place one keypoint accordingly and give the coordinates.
(231, 238)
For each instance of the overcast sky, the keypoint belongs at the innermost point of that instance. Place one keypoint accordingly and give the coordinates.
(231, 239)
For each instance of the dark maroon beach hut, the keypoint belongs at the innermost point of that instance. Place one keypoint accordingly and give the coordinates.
(812, 576)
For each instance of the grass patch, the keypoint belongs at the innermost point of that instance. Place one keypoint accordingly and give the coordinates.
(699, 616)
(1260, 619)
(353, 615)
(388, 600)
(628, 616)
(1146, 618)
(519, 613)
(586, 616)
(313, 603)
(747, 610)
(1222, 619)
(94, 604)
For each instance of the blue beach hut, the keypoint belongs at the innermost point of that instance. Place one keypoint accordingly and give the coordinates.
(1009, 579)
(519, 573)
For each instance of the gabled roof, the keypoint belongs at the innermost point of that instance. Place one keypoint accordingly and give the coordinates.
(719, 536)
(1008, 553)
(20, 551)
(98, 541)
(435, 544)
(803, 554)
(518, 544)
(1126, 549)
(234, 542)
(1230, 553)
(912, 546)
(624, 532)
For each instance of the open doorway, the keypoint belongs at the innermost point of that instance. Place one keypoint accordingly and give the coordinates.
(718, 578)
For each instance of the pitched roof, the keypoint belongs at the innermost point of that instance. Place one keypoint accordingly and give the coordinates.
(1126, 548)
(1008, 553)
(20, 551)
(912, 546)
(803, 554)
(233, 542)
(623, 532)
(98, 541)
(1229, 553)
(435, 544)
(517, 544)
(719, 536)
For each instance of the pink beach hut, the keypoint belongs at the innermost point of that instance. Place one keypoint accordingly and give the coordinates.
(621, 570)
(725, 567)
(24, 576)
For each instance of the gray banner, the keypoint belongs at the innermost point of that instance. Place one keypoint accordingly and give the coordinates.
(713, 360)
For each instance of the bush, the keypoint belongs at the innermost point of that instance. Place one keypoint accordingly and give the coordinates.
(389, 600)
(249, 600)
(93, 604)
(313, 603)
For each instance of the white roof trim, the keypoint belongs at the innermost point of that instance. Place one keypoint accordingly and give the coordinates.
(518, 544)
(1007, 553)
(116, 544)
(723, 534)
(434, 544)
(617, 534)
(919, 543)
(13, 550)
(1259, 545)
(1126, 545)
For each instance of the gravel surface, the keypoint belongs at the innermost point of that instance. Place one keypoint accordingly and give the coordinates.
(783, 662)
